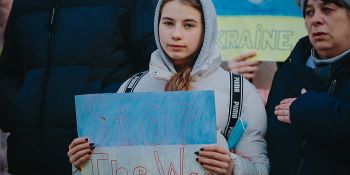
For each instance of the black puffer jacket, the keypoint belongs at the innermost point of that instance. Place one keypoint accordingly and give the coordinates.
(317, 141)
(54, 50)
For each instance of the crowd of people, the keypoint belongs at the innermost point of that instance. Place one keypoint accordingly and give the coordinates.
(54, 50)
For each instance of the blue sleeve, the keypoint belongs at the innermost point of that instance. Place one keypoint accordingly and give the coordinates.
(323, 118)
(140, 34)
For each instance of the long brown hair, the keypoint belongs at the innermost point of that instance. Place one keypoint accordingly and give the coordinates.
(181, 81)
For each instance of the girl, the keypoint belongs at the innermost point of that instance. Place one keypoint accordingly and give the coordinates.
(187, 59)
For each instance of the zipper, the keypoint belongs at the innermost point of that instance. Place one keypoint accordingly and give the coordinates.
(53, 14)
(53, 18)
(49, 62)
(334, 82)
(302, 152)
(332, 87)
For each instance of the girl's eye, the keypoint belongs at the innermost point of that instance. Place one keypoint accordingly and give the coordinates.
(189, 25)
(167, 23)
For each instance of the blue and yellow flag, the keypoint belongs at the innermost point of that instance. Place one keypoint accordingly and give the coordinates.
(269, 27)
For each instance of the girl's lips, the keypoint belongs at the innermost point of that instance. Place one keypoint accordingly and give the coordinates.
(176, 46)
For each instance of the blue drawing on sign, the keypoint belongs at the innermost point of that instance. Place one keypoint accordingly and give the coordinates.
(130, 119)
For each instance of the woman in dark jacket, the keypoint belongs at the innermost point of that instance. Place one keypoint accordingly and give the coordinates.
(54, 50)
(309, 103)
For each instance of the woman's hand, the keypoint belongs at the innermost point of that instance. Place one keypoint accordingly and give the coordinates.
(216, 159)
(282, 110)
(80, 151)
(242, 65)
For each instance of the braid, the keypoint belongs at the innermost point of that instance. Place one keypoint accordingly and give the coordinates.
(181, 81)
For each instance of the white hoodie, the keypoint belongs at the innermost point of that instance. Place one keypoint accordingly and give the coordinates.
(208, 75)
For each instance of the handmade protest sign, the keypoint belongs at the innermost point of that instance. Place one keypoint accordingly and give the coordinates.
(269, 27)
(146, 133)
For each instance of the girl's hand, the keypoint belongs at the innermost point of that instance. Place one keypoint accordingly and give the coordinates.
(80, 151)
(216, 159)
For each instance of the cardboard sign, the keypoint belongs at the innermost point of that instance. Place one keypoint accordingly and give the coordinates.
(146, 133)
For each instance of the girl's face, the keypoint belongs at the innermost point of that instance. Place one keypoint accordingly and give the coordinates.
(328, 27)
(180, 31)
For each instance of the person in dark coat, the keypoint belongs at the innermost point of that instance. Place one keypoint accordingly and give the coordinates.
(5, 7)
(309, 104)
(54, 50)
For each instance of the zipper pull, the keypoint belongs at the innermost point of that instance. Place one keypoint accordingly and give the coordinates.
(53, 16)
(51, 21)
(332, 87)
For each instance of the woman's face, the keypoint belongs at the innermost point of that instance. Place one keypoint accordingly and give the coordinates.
(329, 28)
(180, 31)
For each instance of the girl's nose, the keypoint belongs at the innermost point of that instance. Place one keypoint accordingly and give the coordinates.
(176, 34)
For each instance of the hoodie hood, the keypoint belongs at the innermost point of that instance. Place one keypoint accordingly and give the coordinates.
(209, 58)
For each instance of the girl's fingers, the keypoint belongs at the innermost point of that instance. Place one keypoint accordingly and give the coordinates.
(78, 141)
(215, 156)
(215, 148)
(214, 169)
(81, 154)
(216, 159)
(213, 162)
(78, 163)
(74, 150)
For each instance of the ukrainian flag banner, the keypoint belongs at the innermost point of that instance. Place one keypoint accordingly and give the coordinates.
(269, 27)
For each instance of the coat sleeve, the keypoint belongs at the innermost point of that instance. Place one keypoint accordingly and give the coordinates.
(324, 119)
(139, 30)
(139, 37)
(11, 74)
(251, 151)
